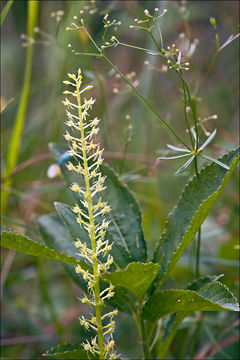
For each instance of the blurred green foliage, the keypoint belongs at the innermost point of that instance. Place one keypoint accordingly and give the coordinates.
(32, 321)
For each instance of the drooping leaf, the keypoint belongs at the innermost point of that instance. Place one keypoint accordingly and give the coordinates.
(23, 244)
(199, 283)
(136, 278)
(193, 207)
(125, 229)
(69, 351)
(212, 297)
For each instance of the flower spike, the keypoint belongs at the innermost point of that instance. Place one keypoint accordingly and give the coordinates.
(90, 214)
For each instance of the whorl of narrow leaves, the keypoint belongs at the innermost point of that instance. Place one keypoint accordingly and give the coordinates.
(90, 214)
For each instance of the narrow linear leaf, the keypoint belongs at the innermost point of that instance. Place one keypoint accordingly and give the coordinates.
(22, 244)
(216, 297)
(216, 161)
(185, 166)
(136, 278)
(172, 157)
(196, 201)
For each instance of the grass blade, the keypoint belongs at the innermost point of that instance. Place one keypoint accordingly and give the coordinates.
(15, 141)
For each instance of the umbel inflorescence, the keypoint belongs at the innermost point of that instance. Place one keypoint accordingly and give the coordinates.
(90, 214)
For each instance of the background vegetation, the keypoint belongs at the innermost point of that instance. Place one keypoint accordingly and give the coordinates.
(38, 299)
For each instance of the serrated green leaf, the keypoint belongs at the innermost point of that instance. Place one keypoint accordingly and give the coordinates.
(23, 244)
(57, 237)
(176, 319)
(196, 201)
(68, 217)
(136, 278)
(216, 297)
(199, 283)
(125, 229)
(69, 351)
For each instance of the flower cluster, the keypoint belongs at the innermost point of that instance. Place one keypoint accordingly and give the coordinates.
(175, 60)
(145, 24)
(90, 214)
(108, 23)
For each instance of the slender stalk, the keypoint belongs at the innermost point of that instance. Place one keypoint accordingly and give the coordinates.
(160, 34)
(193, 107)
(5, 11)
(139, 48)
(185, 114)
(15, 141)
(146, 351)
(209, 67)
(163, 350)
(92, 231)
(155, 42)
(198, 253)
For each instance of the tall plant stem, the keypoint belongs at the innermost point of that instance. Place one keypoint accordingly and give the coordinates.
(92, 233)
(15, 141)
(194, 112)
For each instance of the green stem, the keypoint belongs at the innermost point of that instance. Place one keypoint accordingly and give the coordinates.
(194, 339)
(198, 253)
(155, 42)
(15, 141)
(5, 11)
(146, 351)
(160, 34)
(192, 105)
(185, 114)
(168, 340)
(209, 67)
(92, 232)
(139, 48)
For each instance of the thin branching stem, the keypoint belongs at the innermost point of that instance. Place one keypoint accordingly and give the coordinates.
(150, 106)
